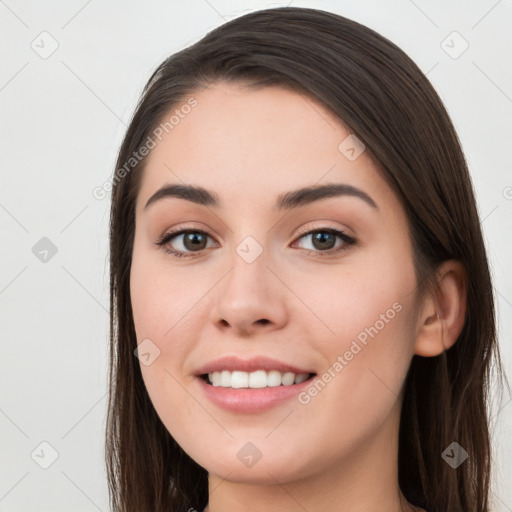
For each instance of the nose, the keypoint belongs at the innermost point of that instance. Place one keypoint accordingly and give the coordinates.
(250, 298)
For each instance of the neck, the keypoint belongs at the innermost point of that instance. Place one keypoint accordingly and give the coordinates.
(366, 480)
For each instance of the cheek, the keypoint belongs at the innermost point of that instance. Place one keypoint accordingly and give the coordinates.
(165, 306)
(362, 294)
(365, 314)
(160, 303)
(160, 299)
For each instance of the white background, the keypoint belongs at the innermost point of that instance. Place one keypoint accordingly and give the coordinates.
(63, 119)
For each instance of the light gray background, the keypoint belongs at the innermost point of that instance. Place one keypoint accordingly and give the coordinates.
(63, 118)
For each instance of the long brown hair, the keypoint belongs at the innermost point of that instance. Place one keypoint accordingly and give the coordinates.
(387, 102)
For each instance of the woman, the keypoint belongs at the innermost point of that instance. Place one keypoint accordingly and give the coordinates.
(297, 265)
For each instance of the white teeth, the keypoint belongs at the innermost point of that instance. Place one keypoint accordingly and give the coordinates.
(301, 378)
(257, 379)
(287, 378)
(225, 379)
(239, 380)
(273, 378)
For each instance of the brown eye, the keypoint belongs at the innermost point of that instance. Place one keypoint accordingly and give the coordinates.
(323, 241)
(184, 242)
(194, 240)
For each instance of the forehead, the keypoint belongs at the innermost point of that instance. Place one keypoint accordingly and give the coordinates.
(254, 143)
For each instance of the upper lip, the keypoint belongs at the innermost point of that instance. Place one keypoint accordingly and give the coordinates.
(232, 363)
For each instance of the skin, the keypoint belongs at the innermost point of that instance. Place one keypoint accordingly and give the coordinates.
(248, 146)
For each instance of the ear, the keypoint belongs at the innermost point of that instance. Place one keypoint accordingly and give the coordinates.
(442, 317)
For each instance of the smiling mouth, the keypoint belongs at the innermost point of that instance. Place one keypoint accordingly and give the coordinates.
(254, 380)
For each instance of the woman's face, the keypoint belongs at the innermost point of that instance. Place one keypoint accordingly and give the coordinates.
(263, 274)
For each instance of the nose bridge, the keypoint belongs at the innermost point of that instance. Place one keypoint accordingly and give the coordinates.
(250, 250)
(250, 292)
(249, 267)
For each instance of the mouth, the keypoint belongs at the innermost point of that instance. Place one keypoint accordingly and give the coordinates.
(254, 380)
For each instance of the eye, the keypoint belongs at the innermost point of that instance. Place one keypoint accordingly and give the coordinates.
(323, 241)
(192, 240)
(185, 242)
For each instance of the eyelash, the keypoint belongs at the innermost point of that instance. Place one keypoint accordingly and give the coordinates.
(167, 237)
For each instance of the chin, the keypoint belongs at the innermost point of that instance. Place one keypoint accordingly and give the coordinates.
(267, 470)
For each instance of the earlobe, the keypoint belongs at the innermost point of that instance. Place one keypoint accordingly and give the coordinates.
(443, 315)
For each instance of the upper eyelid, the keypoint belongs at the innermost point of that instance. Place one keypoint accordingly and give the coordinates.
(308, 230)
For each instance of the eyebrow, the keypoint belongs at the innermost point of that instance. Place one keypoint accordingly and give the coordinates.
(286, 201)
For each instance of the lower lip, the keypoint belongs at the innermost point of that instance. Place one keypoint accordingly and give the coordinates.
(251, 399)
